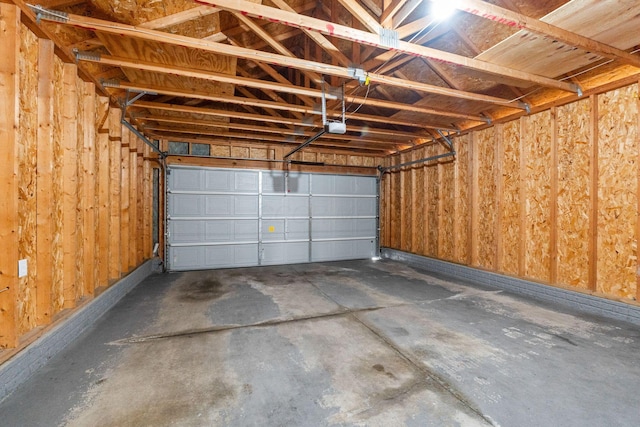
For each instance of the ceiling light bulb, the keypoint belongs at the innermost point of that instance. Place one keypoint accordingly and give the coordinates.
(442, 9)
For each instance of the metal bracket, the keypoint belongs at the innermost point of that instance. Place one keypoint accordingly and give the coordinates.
(87, 56)
(446, 139)
(115, 83)
(142, 137)
(48, 14)
(389, 38)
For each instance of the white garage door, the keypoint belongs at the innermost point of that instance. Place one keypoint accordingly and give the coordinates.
(237, 218)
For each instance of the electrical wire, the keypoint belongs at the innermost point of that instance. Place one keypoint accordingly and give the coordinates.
(355, 91)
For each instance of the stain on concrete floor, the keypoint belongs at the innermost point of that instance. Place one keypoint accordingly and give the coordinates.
(351, 343)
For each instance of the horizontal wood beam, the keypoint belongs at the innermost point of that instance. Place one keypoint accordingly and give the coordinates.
(235, 100)
(258, 129)
(180, 17)
(507, 17)
(399, 136)
(225, 49)
(364, 37)
(260, 138)
(255, 83)
(205, 75)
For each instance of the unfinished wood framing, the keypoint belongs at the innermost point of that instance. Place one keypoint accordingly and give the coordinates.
(545, 183)
(9, 81)
(527, 196)
(44, 184)
(56, 150)
(26, 157)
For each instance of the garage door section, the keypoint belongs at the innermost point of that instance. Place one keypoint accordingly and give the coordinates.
(343, 217)
(213, 218)
(219, 218)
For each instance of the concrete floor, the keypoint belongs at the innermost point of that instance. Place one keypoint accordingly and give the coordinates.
(350, 343)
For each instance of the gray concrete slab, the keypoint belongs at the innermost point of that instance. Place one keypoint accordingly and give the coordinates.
(349, 343)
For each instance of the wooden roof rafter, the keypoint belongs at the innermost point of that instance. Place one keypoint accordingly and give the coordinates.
(158, 36)
(354, 35)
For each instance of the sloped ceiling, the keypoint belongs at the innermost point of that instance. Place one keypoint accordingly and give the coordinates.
(254, 71)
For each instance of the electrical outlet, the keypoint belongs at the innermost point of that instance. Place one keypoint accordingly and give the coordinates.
(22, 268)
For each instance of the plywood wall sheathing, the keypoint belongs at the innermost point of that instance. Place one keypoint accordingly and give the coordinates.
(26, 156)
(69, 183)
(487, 219)
(574, 193)
(510, 206)
(44, 184)
(537, 129)
(9, 30)
(462, 199)
(617, 195)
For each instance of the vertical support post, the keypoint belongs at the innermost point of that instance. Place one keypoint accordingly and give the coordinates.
(499, 179)
(44, 184)
(125, 177)
(115, 141)
(522, 262)
(103, 199)
(593, 199)
(9, 45)
(475, 189)
(88, 198)
(133, 202)
(69, 185)
(553, 215)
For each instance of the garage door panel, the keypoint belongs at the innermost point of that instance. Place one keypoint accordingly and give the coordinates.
(186, 231)
(230, 205)
(232, 230)
(230, 256)
(186, 257)
(342, 249)
(343, 206)
(273, 229)
(285, 253)
(342, 184)
(281, 206)
(185, 180)
(342, 228)
(190, 205)
(230, 181)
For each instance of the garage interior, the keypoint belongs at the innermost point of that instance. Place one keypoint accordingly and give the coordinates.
(338, 212)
